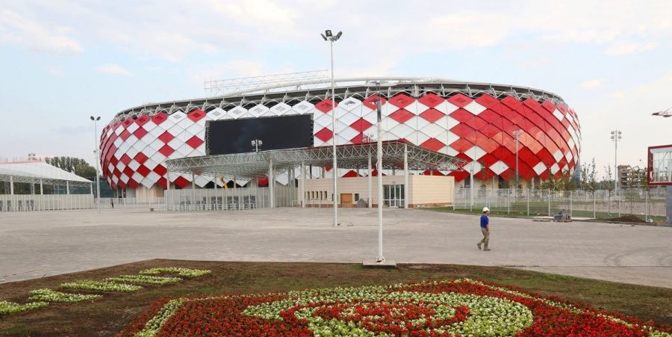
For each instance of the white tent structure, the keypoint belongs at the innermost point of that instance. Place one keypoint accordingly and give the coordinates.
(37, 173)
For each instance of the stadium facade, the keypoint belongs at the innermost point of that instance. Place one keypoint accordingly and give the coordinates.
(476, 122)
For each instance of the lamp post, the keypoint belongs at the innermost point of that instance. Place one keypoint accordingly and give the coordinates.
(616, 136)
(328, 36)
(95, 150)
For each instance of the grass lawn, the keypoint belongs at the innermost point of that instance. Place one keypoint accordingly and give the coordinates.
(108, 315)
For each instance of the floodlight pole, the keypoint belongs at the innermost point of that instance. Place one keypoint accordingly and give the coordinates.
(379, 169)
(95, 150)
(616, 136)
(328, 36)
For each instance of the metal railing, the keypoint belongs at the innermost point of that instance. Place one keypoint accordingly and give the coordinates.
(647, 205)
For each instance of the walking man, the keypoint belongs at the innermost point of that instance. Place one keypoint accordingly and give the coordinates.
(485, 229)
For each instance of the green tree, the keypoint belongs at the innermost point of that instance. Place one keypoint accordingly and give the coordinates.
(77, 166)
(588, 176)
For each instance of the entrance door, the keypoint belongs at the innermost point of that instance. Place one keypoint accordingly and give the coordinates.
(346, 200)
(394, 195)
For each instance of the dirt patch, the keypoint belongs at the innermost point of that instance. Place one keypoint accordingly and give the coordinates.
(628, 218)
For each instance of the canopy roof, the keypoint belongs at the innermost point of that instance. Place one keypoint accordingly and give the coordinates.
(351, 156)
(34, 171)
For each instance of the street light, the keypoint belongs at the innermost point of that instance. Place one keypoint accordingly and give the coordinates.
(328, 36)
(516, 133)
(257, 143)
(616, 136)
(95, 150)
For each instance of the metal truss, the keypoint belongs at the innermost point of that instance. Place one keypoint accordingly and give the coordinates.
(277, 91)
(355, 156)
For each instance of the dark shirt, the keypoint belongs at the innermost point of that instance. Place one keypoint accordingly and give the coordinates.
(484, 221)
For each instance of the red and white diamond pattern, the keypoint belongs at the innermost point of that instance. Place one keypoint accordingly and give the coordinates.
(479, 130)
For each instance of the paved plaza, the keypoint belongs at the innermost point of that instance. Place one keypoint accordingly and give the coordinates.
(41, 244)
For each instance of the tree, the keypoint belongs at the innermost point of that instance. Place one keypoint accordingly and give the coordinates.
(589, 176)
(75, 165)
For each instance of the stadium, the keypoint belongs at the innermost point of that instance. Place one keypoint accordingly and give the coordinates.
(497, 130)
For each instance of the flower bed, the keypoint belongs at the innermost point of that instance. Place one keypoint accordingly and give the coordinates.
(104, 286)
(448, 308)
(11, 307)
(48, 295)
(144, 279)
(183, 272)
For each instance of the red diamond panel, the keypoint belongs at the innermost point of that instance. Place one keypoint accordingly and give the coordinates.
(159, 118)
(195, 142)
(401, 116)
(462, 115)
(460, 175)
(460, 100)
(124, 135)
(433, 144)
(431, 115)
(140, 158)
(324, 135)
(402, 100)
(160, 170)
(361, 125)
(125, 159)
(166, 137)
(431, 99)
(487, 101)
(461, 145)
(196, 115)
(140, 132)
(143, 170)
(370, 102)
(181, 182)
(324, 106)
(166, 150)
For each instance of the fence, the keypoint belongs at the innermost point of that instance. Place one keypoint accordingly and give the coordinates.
(648, 205)
(47, 202)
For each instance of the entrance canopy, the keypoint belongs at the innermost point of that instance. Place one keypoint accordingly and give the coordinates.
(351, 156)
(36, 171)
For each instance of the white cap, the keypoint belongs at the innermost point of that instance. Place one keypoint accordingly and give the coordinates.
(485, 209)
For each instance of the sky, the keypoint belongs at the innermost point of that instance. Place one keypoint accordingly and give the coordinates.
(63, 61)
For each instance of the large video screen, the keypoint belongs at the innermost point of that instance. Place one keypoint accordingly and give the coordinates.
(236, 135)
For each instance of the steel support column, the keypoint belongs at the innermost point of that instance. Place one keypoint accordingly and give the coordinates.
(370, 182)
(271, 183)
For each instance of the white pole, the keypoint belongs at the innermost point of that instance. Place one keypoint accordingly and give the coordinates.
(11, 185)
(95, 143)
(67, 187)
(333, 126)
(515, 189)
(302, 186)
(471, 186)
(166, 198)
(193, 191)
(406, 187)
(379, 168)
(370, 179)
(41, 187)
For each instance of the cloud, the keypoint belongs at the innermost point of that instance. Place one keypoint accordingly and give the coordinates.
(591, 84)
(627, 48)
(113, 69)
(19, 30)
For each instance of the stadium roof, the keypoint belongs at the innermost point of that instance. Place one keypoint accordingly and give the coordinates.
(352, 156)
(34, 171)
(346, 87)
